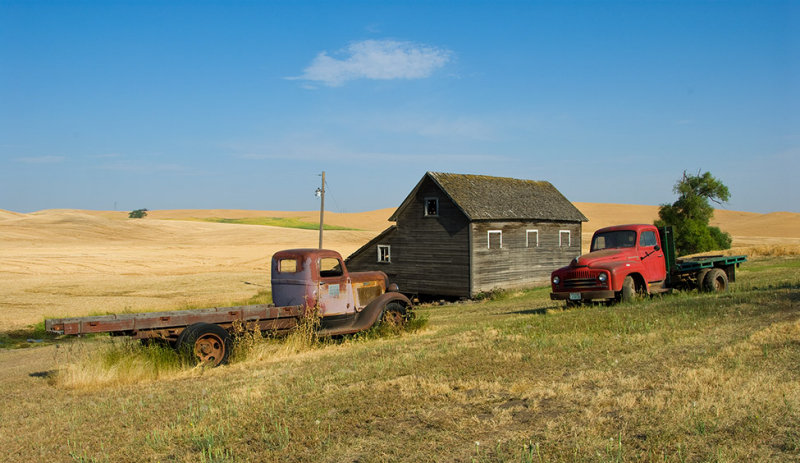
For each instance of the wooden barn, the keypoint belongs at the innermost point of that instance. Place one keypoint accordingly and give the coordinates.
(460, 235)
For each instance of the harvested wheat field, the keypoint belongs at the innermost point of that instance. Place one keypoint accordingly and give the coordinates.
(71, 262)
(60, 263)
(516, 378)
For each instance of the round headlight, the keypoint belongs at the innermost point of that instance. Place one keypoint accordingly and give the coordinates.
(602, 277)
(556, 280)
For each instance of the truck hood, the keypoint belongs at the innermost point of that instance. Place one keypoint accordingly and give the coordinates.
(606, 256)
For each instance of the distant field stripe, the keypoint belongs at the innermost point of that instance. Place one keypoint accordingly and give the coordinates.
(285, 222)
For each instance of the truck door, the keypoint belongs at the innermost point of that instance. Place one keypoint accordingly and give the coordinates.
(652, 260)
(335, 290)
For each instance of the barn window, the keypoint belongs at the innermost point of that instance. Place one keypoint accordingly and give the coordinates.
(384, 253)
(531, 238)
(431, 207)
(564, 239)
(494, 239)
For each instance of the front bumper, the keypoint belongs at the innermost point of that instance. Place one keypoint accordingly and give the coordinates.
(582, 295)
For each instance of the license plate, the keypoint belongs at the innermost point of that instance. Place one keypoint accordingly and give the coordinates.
(574, 296)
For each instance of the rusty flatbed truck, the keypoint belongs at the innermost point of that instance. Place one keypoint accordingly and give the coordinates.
(301, 279)
(628, 261)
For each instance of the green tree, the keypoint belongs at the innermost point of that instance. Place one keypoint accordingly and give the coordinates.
(138, 214)
(690, 214)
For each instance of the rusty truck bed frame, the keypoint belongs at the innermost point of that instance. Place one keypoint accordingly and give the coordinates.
(169, 325)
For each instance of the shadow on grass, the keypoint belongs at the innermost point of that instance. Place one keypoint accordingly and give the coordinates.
(32, 336)
(539, 311)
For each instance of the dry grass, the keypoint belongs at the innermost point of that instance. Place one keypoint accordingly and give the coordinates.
(687, 377)
(774, 250)
(515, 378)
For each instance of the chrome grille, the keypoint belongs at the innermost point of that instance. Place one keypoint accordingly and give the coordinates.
(582, 279)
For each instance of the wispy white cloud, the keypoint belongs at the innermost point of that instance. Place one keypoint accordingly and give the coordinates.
(378, 60)
(41, 159)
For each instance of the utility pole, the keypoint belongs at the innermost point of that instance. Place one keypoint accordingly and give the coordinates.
(321, 192)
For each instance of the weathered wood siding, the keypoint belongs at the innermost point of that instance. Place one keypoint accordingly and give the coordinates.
(430, 255)
(517, 263)
(366, 259)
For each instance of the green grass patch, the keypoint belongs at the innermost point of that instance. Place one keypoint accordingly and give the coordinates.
(773, 264)
(285, 222)
(31, 336)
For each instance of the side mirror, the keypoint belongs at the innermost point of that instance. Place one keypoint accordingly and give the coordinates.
(657, 248)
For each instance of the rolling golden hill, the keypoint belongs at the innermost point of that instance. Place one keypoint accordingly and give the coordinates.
(74, 262)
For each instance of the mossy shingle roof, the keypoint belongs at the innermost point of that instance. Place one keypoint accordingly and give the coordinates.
(482, 197)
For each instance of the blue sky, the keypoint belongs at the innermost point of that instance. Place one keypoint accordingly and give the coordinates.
(201, 104)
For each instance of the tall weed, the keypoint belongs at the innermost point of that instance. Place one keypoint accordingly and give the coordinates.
(123, 361)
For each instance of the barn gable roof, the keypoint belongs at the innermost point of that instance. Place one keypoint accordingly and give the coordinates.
(481, 197)
(372, 242)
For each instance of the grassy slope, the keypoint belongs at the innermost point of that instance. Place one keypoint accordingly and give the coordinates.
(683, 378)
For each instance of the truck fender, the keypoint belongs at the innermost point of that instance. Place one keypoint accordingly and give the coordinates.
(623, 269)
(637, 278)
(373, 311)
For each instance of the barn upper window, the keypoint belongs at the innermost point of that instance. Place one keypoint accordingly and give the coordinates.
(431, 207)
(384, 253)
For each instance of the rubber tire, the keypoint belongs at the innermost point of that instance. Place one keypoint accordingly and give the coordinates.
(394, 313)
(716, 280)
(701, 275)
(628, 293)
(198, 336)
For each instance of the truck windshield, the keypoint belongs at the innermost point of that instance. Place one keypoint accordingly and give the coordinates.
(614, 239)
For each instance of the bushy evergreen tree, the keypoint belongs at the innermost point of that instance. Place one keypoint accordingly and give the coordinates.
(690, 214)
(138, 214)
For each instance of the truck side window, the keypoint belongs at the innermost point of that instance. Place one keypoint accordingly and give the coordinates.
(287, 266)
(330, 267)
(647, 239)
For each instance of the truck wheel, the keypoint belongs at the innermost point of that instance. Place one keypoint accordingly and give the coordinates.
(208, 343)
(394, 314)
(701, 275)
(716, 280)
(629, 293)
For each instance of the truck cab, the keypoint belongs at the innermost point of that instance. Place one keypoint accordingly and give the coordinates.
(319, 278)
(624, 261)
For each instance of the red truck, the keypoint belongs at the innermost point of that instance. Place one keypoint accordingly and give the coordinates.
(302, 279)
(628, 261)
